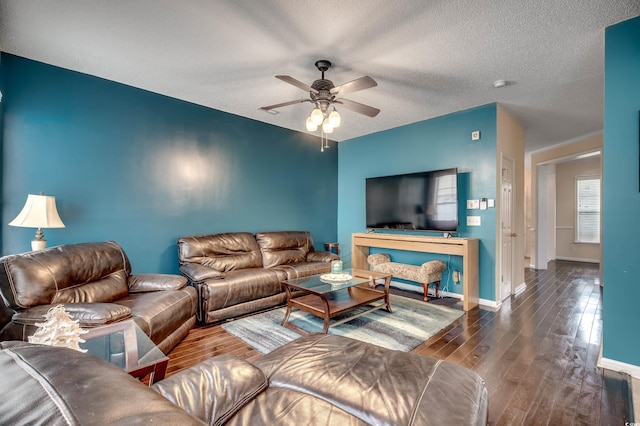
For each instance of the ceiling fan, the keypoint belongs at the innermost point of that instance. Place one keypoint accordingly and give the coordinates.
(324, 95)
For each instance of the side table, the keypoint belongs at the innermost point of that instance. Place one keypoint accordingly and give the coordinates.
(125, 345)
(331, 246)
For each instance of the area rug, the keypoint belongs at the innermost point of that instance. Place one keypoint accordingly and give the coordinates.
(411, 323)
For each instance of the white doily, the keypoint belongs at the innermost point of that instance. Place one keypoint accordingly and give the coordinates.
(336, 278)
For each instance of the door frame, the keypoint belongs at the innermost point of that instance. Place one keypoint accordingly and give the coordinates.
(499, 273)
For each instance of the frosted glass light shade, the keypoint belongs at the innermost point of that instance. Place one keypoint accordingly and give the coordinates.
(326, 127)
(335, 119)
(317, 116)
(311, 126)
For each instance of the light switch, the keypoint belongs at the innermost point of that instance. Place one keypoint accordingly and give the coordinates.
(491, 203)
(473, 220)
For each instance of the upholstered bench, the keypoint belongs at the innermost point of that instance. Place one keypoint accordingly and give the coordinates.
(425, 274)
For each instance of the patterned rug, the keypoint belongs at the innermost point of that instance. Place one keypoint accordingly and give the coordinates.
(411, 323)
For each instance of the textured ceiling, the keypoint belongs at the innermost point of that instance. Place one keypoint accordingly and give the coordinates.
(429, 57)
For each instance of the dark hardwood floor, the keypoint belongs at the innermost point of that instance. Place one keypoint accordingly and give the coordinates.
(537, 354)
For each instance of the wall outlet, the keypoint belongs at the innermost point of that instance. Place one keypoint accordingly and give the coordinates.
(473, 204)
(456, 276)
(473, 220)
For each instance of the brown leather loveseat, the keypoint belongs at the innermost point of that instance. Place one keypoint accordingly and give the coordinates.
(237, 273)
(318, 379)
(94, 283)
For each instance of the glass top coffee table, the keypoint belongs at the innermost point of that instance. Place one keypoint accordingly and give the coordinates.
(328, 299)
(125, 345)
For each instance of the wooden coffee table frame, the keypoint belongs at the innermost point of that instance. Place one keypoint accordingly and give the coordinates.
(330, 301)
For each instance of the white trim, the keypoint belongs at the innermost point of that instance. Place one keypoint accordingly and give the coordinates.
(577, 259)
(619, 366)
(520, 288)
(489, 304)
(569, 142)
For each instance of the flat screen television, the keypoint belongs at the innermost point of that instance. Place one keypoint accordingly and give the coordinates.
(425, 201)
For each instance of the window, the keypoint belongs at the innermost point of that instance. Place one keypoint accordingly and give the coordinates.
(588, 209)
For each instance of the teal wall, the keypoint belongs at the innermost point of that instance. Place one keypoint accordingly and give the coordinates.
(144, 169)
(621, 196)
(438, 143)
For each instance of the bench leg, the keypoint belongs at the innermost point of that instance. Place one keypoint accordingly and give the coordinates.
(425, 286)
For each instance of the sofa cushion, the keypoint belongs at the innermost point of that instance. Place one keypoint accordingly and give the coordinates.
(285, 247)
(142, 283)
(73, 273)
(304, 269)
(242, 286)
(159, 313)
(222, 252)
(225, 384)
(292, 407)
(87, 314)
(393, 387)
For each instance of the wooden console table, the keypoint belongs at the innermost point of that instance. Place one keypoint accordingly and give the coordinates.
(465, 247)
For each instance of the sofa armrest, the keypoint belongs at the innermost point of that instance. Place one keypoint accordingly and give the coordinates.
(215, 389)
(197, 273)
(142, 283)
(87, 314)
(321, 256)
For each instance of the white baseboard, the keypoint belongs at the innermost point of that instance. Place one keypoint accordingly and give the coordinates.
(489, 304)
(577, 259)
(492, 305)
(621, 367)
(521, 287)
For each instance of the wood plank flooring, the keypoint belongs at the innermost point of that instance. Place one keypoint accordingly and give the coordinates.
(537, 354)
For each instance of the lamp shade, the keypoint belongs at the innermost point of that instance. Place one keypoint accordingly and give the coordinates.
(39, 212)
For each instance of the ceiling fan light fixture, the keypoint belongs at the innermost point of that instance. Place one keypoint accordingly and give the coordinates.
(327, 127)
(311, 126)
(317, 116)
(335, 119)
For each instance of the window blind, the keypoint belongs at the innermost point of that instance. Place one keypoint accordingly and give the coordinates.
(588, 210)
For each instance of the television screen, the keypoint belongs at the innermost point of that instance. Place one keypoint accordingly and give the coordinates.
(425, 201)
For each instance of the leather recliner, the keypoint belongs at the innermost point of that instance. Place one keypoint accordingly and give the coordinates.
(238, 273)
(94, 283)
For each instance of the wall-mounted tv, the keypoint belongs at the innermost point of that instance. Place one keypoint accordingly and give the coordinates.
(425, 201)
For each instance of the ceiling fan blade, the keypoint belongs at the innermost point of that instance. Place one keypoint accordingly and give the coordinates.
(296, 83)
(358, 107)
(270, 107)
(361, 83)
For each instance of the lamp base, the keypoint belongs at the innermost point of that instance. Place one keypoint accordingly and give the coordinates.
(38, 245)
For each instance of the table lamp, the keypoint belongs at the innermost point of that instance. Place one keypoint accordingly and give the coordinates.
(39, 212)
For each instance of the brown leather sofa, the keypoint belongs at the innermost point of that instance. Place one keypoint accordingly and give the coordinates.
(238, 273)
(94, 283)
(318, 379)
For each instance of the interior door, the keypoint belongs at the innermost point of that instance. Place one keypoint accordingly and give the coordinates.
(507, 235)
